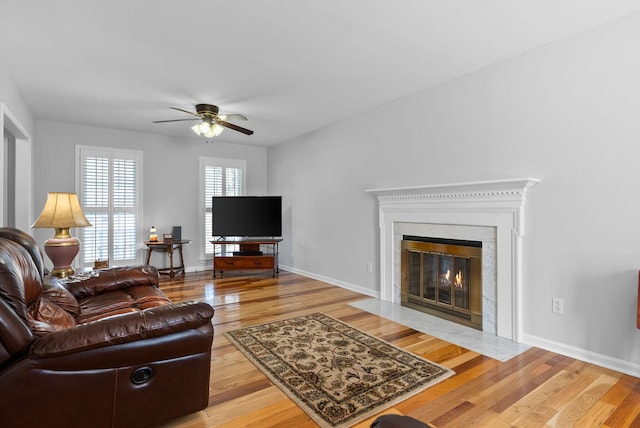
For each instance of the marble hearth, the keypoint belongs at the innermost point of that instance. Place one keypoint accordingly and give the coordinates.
(488, 211)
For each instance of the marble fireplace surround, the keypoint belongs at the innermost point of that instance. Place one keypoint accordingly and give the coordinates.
(488, 211)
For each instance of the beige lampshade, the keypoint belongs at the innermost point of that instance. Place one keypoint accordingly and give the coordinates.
(61, 211)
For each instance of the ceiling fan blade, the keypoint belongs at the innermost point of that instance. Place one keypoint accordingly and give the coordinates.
(234, 127)
(184, 111)
(232, 116)
(174, 120)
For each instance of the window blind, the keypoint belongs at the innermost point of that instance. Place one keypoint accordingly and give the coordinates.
(220, 177)
(109, 191)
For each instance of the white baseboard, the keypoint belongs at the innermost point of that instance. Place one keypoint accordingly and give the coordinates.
(622, 366)
(200, 268)
(348, 286)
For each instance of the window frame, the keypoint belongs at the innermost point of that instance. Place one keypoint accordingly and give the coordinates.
(205, 200)
(111, 153)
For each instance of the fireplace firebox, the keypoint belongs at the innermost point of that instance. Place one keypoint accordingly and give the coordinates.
(443, 277)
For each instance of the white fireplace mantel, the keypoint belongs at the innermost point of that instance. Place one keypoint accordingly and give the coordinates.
(495, 204)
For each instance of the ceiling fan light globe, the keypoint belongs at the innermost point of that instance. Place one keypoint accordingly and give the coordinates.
(196, 129)
(214, 131)
(205, 127)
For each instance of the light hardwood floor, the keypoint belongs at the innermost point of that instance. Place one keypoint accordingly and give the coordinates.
(535, 389)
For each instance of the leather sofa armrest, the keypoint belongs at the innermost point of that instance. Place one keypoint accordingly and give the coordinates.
(150, 323)
(105, 280)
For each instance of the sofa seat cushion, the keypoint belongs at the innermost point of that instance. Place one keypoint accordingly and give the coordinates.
(103, 305)
(147, 297)
(131, 299)
(99, 315)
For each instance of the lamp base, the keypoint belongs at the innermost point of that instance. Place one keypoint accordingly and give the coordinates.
(61, 252)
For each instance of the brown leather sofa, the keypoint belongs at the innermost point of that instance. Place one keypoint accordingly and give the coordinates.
(108, 351)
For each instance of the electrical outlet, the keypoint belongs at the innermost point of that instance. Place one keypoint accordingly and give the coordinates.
(557, 306)
(369, 267)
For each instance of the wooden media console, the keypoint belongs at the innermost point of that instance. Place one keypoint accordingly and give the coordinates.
(249, 257)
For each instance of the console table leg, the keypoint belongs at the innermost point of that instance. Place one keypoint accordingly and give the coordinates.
(181, 267)
(171, 261)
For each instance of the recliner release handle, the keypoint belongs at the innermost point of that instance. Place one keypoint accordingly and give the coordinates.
(142, 375)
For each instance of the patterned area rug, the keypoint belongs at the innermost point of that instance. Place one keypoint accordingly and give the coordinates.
(337, 374)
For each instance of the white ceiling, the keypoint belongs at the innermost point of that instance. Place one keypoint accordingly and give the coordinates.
(290, 66)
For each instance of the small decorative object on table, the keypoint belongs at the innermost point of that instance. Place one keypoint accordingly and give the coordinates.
(177, 233)
(101, 264)
(153, 234)
(167, 237)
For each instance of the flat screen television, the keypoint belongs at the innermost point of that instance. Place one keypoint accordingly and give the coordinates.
(247, 216)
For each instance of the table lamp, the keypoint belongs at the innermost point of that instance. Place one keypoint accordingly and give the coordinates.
(61, 212)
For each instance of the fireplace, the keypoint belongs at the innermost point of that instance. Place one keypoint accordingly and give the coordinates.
(488, 211)
(443, 277)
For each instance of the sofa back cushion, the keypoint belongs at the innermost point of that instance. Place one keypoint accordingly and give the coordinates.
(28, 243)
(23, 285)
(116, 278)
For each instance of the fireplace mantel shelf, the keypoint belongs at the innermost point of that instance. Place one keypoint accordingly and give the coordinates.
(515, 187)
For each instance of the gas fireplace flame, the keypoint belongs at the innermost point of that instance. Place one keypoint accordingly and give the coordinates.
(459, 282)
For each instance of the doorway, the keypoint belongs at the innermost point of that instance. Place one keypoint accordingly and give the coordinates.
(15, 176)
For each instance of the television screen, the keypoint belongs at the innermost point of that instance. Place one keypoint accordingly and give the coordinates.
(247, 216)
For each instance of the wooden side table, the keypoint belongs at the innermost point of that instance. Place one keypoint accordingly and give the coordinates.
(167, 247)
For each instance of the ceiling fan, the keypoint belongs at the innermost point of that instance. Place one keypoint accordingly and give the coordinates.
(211, 123)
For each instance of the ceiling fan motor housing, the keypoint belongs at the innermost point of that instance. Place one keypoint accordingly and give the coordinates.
(207, 110)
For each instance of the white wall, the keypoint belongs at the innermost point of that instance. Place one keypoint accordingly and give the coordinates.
(170, 175)
(567, 113)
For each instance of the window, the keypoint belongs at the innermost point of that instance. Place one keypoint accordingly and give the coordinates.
(109, 191)
(218, 177)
